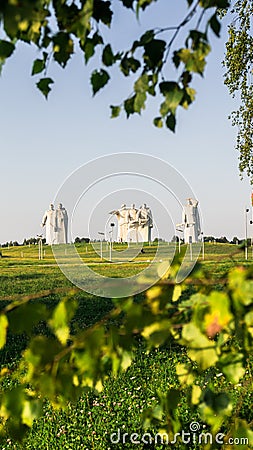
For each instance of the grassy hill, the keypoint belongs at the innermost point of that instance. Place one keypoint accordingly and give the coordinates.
(88, 423)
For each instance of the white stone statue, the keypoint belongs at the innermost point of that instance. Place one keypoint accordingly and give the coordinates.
(145, 220)
(122, 217)
(61, 225)
(191, 221)
(133, 224)
(49, 219)
(56, 222)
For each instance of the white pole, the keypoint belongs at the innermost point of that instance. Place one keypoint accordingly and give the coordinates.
(101, 249)
(110, 249)
(246, 233)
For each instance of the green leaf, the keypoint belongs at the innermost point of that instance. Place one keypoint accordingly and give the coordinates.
(128, 3)
(139, 101)
(176, 59)
(143, 4)
(107, 56)
(63, 48)
(31, 411)
(200, 348)
(102, 11)
(171, 122)
(38, 66)
(99, 80)
(173, 96)
(147, 37)
(61, 317)
(194, 60)
(3, 330)
(217, 402)
(232, 366)
(184, 373)
(153, 54)
(115, 111)
(90, 44)
(6, 49)
(215, 25)
(129, 64)
(158, 122)
(141, 84)
(44, 85)
(197, 38)
(219, 315)
(129, 106)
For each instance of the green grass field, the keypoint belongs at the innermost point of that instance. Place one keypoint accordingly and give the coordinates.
(89, 423)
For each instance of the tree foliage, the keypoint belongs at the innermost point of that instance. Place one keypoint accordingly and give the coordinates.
(59, 27)
(238, 78)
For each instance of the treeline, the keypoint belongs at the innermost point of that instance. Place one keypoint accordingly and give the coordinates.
(30, 241)
(213, 240)
(86, 240)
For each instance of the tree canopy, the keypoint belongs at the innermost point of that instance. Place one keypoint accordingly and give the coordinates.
(59, 28)
(238, 78)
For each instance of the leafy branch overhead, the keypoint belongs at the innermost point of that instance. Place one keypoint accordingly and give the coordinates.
(60, 28)
(238, 78)
(78, 24)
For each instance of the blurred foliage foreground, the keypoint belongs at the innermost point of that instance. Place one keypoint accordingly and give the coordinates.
(210, 324)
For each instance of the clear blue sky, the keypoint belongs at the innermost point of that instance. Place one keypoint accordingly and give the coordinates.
(42, 142)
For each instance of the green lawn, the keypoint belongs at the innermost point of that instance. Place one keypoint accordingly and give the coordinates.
(89, 423)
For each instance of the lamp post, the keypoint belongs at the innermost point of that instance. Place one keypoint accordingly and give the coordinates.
(111, 240)
(101, 244)
(246, 233)
(203, 245)
(40, 236)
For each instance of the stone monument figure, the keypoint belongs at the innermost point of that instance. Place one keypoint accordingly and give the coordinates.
(145, 220)
(122, 217)
(49, 219)
(191, 221)
(61, 236)
(56, 222)
(133, 224)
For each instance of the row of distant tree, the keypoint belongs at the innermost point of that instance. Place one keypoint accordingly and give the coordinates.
(212, 239)
(85, 240)
(30, 241)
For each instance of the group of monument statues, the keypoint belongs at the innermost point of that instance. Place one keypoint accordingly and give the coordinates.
(134, 225)
(56, 222)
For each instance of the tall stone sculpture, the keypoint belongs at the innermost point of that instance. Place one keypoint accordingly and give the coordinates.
(144, 217)
(49, 219)
(191, 221)
(61, 235)
(122, 217)
(56, 222)
(134, 225)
